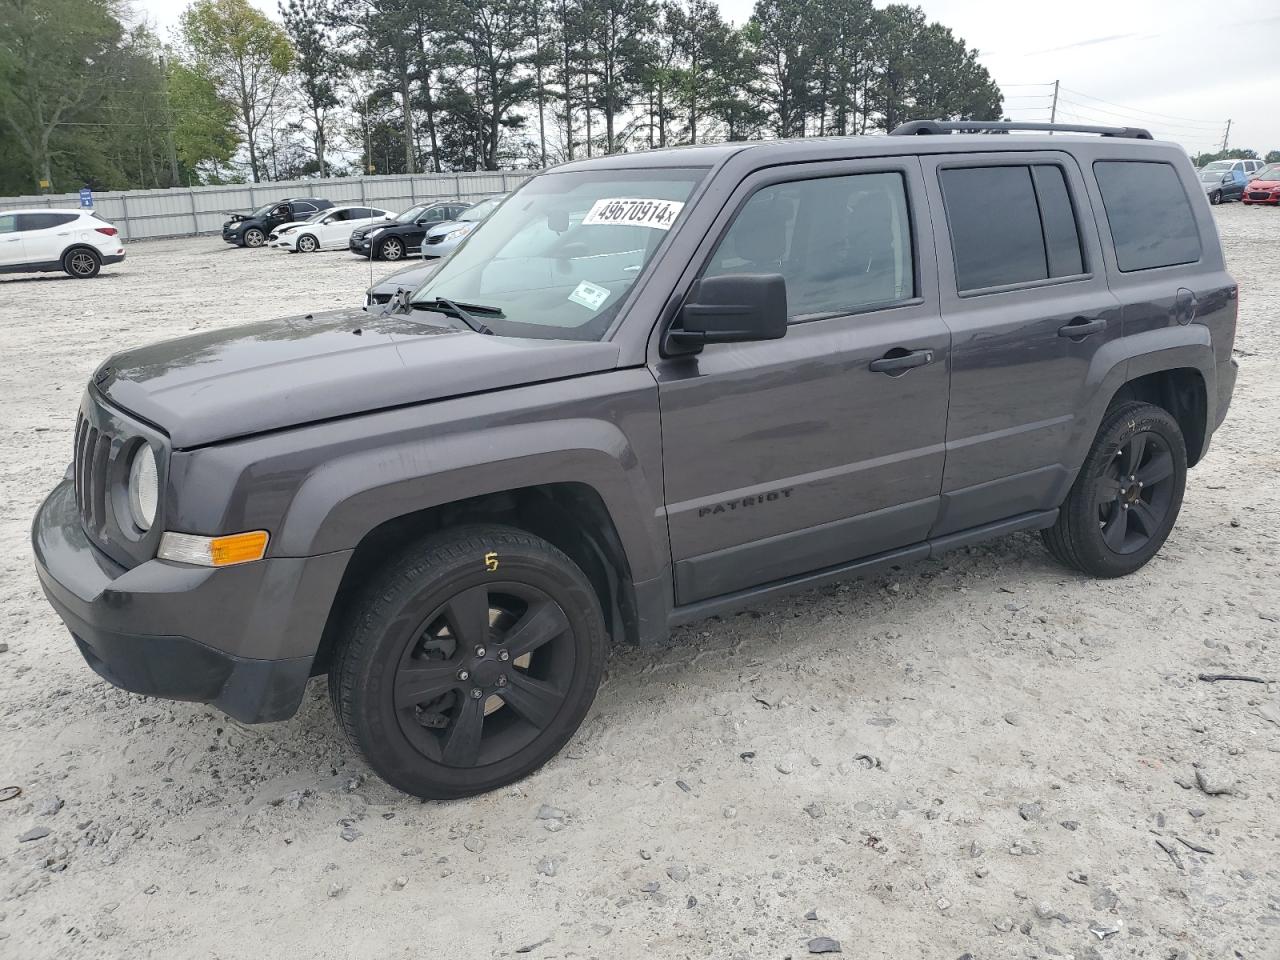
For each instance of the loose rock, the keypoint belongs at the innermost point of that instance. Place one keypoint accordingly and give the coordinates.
(824, 945)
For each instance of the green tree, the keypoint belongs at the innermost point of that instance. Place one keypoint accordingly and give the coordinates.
(204, 126)
(246, 55)
(306, 23)
(58, 58)
(1273, 156)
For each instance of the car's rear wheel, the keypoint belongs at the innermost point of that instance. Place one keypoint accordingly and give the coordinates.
(391, 249)
(307, 243)
(1216, 197)
(253, 237)
(82, 263)
(1127, 495)
(468, 661)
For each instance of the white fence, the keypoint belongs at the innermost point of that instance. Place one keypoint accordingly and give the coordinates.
(188, 211)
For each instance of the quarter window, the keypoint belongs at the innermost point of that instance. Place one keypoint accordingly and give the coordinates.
(1010, 225)
(843, 244)
(1151, 221)
(8, 223)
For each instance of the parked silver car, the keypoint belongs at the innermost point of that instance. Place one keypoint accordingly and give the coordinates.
(443, 239)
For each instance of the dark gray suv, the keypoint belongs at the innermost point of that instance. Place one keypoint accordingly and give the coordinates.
(648, 389)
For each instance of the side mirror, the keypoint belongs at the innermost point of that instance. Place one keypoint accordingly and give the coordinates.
(735, 308)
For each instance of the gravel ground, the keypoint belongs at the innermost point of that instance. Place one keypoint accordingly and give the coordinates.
(981, 756)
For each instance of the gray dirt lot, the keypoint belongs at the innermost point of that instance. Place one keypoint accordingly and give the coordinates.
(979, 756)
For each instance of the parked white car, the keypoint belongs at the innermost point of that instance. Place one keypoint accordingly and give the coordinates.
(326, 230)
(44, 241)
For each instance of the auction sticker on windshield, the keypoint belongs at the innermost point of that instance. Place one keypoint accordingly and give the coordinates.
(589, 295)
(634, 212)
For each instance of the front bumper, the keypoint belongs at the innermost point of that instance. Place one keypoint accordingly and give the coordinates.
(242, 638)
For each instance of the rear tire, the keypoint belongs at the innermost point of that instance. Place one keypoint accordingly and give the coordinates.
(391, 249)
(1127, 495)
(468, 661)
(82, 263)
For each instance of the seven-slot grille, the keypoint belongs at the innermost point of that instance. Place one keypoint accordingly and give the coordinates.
(92, 457)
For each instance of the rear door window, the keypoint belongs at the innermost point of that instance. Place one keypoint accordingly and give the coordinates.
(1010, 224)
(44, 221)
(1152, 224)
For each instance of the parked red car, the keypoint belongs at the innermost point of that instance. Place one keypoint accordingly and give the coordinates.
(1265, 187)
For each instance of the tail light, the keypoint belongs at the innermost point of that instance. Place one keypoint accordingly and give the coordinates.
(107, 231)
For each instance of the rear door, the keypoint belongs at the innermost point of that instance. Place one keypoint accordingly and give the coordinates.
(1025, 295)
(46, 235)
(12, 250)
(789, 456)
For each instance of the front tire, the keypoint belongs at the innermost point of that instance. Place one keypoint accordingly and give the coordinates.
(468, 662)
(391, 249)
(307, 243)
(1127, 495)
(1215, 198)
(253, 237)
(82, 263)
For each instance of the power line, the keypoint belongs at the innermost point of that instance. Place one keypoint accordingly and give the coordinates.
(1153, 113)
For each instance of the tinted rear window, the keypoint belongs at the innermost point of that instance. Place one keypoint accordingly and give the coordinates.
(43, 221)
(1061, 239)
(1151, 221)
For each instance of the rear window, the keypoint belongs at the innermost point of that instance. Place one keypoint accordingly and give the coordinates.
(1010, 225)
(1152, 224)
(44, 221)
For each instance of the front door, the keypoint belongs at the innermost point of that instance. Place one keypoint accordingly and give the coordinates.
(789, 456)
(1025, 295)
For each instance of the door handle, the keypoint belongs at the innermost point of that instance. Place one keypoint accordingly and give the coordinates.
(1082, 327)
(898, 359)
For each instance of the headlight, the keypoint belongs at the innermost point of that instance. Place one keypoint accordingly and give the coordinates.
(286, 230)
(144, 487)
(373, 233)
(456, 234)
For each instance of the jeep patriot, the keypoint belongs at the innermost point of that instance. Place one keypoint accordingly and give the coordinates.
(651, 387)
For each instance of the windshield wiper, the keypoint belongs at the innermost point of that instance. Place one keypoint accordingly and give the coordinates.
(463, 312)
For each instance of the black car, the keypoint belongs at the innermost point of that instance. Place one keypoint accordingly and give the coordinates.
(252, 230)
(395, 240)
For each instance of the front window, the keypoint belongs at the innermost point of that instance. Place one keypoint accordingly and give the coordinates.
(262, 211)
(557, 259)
(1270, 172)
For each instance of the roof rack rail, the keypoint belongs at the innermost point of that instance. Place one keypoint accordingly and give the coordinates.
(1004, 126)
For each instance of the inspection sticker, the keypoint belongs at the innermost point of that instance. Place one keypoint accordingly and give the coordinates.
(589, 295)
(634, 212)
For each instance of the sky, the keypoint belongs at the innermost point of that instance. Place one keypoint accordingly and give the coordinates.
(1179, 68)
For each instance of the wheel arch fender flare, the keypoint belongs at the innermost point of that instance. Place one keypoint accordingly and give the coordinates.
(1126, 359)
(342, 499)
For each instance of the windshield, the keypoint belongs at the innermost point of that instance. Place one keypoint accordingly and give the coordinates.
(480, 210)
(1222, 166)
(557, 259)
(263, 211)
(1212, 176)
(1270, 172)
(412, 214)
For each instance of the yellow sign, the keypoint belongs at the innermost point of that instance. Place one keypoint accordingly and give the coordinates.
(44, 184)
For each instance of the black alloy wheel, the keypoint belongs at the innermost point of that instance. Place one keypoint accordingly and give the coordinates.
(1135, 492)
(1127, 495)
(468, 661)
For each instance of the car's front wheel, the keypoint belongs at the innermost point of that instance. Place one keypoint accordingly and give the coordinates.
(82, 263)
(391, 249)
(253, 237)
(1216, 197)
(1127, 495)
(307, 243)
(468, 661)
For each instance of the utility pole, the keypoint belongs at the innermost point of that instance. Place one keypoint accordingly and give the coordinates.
(1225, 136)
(1053, 107)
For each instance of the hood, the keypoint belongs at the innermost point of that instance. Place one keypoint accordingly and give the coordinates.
(237, 217)
(282, 373)
(285, 226)
(440, 229)
(1270, 183)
